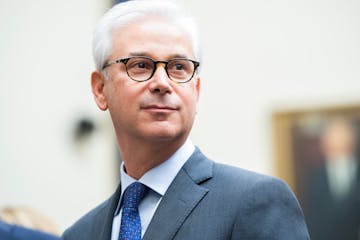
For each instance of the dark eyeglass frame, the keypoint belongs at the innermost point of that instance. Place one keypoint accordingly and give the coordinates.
(155, 63)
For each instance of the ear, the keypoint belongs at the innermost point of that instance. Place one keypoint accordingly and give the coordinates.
(197, 87)
(97, 86)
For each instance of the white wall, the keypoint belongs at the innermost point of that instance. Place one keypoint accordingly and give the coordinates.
(267, 55)
(259, 56)
(44, 88)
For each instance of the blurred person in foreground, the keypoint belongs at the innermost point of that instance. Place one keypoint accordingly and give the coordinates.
(24, 223)
(147, 60)
(332, 193)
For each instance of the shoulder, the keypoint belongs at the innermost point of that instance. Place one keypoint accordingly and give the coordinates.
(242, 180)
(266, 207)
(261, 206)
(200, 169)
(236, 183)
(88, 226)
(251, 189)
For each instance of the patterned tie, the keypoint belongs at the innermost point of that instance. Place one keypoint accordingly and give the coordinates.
(130, 228)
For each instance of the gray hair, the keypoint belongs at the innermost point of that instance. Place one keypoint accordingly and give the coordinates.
(125, 13)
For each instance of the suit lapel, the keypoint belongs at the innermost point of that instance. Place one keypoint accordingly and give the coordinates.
(181, 198)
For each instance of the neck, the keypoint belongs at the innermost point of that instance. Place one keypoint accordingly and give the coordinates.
(142, 156)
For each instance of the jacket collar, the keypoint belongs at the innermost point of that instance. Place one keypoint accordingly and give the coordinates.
(181, 198)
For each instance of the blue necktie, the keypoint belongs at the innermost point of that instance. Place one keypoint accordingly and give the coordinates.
(130, 228)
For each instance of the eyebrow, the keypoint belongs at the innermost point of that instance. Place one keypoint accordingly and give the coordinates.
(146, 54)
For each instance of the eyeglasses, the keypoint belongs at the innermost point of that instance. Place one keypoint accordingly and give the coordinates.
(141, 69)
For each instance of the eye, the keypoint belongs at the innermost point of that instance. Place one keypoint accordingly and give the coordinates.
(140, 63)
(179, 66)
(180, 69)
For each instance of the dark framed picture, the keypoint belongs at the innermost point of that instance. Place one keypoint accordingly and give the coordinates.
(317, 151)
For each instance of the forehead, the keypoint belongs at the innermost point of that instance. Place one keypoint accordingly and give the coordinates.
(153, 37)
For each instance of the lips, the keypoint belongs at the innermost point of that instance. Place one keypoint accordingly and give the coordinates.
(159, 108)
(164, 107)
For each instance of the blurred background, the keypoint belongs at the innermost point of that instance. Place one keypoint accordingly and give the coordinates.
(264, 61)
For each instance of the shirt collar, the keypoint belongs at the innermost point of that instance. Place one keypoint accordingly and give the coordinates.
(160, 177)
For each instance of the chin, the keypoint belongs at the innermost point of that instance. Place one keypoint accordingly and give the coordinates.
(164, 134)
(163, 131)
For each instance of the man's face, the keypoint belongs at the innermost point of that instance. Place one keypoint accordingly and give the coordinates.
(155, 110)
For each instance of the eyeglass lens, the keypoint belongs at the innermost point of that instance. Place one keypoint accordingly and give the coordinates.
(141, 69)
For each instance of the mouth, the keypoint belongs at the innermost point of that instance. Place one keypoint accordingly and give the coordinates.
(159, 108)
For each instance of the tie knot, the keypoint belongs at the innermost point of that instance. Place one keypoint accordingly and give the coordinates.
(133, 194)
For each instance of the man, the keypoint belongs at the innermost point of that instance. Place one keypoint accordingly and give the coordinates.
(14, 232)
(332, 190)
(147, 59)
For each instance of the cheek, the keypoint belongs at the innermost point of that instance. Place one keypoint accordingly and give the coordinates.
(119, 90)
(190, 104)
(114, 97)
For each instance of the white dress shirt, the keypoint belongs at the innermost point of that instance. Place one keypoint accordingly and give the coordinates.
(158, 180)
(341, 175)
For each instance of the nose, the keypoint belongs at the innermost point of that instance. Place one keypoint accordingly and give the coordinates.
(160, 82)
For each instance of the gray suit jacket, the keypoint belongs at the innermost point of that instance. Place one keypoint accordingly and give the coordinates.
(209, 201)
